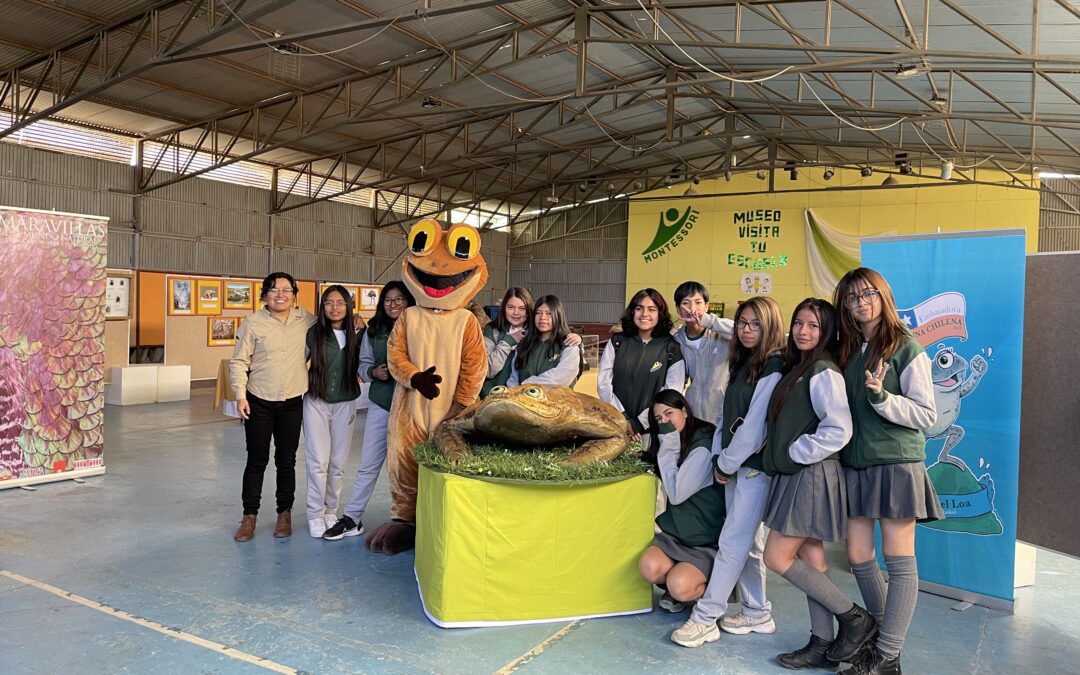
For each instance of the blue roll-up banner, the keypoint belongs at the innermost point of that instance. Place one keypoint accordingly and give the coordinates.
(962, 296)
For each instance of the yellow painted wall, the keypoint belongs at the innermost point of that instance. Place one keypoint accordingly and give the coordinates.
(705, 253)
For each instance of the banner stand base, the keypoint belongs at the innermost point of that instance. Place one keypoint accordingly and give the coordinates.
(967, 597)
(52, 477)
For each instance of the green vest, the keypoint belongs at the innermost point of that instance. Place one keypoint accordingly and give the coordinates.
(737, 403)
(796, 418)
(640, 370)
(698, 520)
(335, 369)
(380, 392)
(543, 358)
(503, 376)
(875, 440)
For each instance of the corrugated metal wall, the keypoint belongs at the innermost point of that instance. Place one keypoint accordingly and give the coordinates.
(1059, 215)
(577, 254)
(211, 227)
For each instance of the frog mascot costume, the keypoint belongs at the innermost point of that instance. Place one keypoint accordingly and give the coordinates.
(436, 353)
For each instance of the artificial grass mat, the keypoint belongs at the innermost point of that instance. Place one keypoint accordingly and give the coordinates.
(492, 462)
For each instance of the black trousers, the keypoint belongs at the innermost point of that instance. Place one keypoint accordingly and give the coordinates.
(281, 421)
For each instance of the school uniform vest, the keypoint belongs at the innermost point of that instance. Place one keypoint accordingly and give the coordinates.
(737, 403)
(796, 418)
(335, 392)
(698, 520)
(875, 440)
(380, 392)
(503, 376)
(640, 369)
(542, 359)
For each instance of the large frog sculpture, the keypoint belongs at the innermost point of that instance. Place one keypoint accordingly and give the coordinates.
(436, 354)
(537, 415)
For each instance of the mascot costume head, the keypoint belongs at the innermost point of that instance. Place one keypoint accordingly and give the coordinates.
(436, 354)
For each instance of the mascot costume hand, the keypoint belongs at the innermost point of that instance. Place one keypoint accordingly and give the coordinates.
(437, 342)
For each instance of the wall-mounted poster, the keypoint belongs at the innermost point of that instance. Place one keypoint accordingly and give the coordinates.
(353, 290)
(209, 296)
(52, 346)
(181, 296)
(239, 295)
(221, 331)
(369, 297)
(118, 295)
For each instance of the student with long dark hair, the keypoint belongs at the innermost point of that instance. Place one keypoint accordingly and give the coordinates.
(641, 360)
(542, 357)
(889, 385)
(333, 351)
(501, 336)
(269, 378)
(808, 424)
(680, 557)
(393, 300)
(754, 368)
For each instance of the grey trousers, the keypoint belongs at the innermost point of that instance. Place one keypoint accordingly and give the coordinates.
(328, 431)
(738, 558)
(372, 457)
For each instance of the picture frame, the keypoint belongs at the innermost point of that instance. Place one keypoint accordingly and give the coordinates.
(221, 331)
(208, 297)
(353, 290)
(369, 298)
(181, 299)
(239, 295)
(118, 285)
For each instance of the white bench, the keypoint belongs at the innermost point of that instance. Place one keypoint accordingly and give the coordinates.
(132, 385)
(173, 383)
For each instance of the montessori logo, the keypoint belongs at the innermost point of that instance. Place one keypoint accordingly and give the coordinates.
(674, 227)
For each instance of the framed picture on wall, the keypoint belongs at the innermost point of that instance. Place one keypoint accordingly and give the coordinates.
(369, 297)
(221, 331)
(181, 296)
(209, 296)
(118, 295)
(239, 295)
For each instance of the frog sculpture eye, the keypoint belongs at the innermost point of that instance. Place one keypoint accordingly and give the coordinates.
(423, 236)
(534, 392)
(463, 242)
(497, 389)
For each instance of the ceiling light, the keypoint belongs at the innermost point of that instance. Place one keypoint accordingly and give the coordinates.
(939, 101)
(746, 137)
(727, 176)
(890, 181)
(829, 173)
(762, 174)
(430, 103)
(906, 170)
(946, 169)
(904, 71)
(866, 172)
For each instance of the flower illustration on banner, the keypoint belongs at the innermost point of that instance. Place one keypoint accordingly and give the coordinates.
(967, 500)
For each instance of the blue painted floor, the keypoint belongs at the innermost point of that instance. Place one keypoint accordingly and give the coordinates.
(153, 538)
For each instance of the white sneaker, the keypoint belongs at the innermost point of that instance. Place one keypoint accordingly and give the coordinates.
(670, 604)
(316, 526)
(694, 634)
(740, 624)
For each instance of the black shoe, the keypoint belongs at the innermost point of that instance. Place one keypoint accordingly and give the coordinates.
(870, 661)
(344, 527)
(810, 656)
(857, 627)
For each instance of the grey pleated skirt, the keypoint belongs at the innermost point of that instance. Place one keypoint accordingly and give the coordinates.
(899, 491)
(811, 503)
(701, 557)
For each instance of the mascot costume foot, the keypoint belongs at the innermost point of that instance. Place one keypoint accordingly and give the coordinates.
(436, 353)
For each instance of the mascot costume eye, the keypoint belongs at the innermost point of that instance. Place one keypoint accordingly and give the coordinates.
(436, 353)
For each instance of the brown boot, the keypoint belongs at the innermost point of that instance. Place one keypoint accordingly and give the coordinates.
(283, 528)
(247, 529)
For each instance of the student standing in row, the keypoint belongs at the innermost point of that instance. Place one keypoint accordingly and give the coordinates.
(681, 555)
(333, 350)
(501, 336)
(809, 423)
(641, 360)
(705, 340)
(754, 369)
(393, 300)
(545, 355)
(269, 375)
(889, 387)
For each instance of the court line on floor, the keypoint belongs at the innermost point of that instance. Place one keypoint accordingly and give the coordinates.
(152, 625)
(538, 649)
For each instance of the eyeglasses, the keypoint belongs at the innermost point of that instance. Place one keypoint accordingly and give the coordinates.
(853, 300)
(394, 301)
(280, 291)
(752, 326)
(335, 305)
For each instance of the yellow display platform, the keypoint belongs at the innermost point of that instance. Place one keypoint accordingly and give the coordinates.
(499, 552)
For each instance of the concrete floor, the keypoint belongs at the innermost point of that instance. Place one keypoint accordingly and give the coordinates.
(148, 551)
